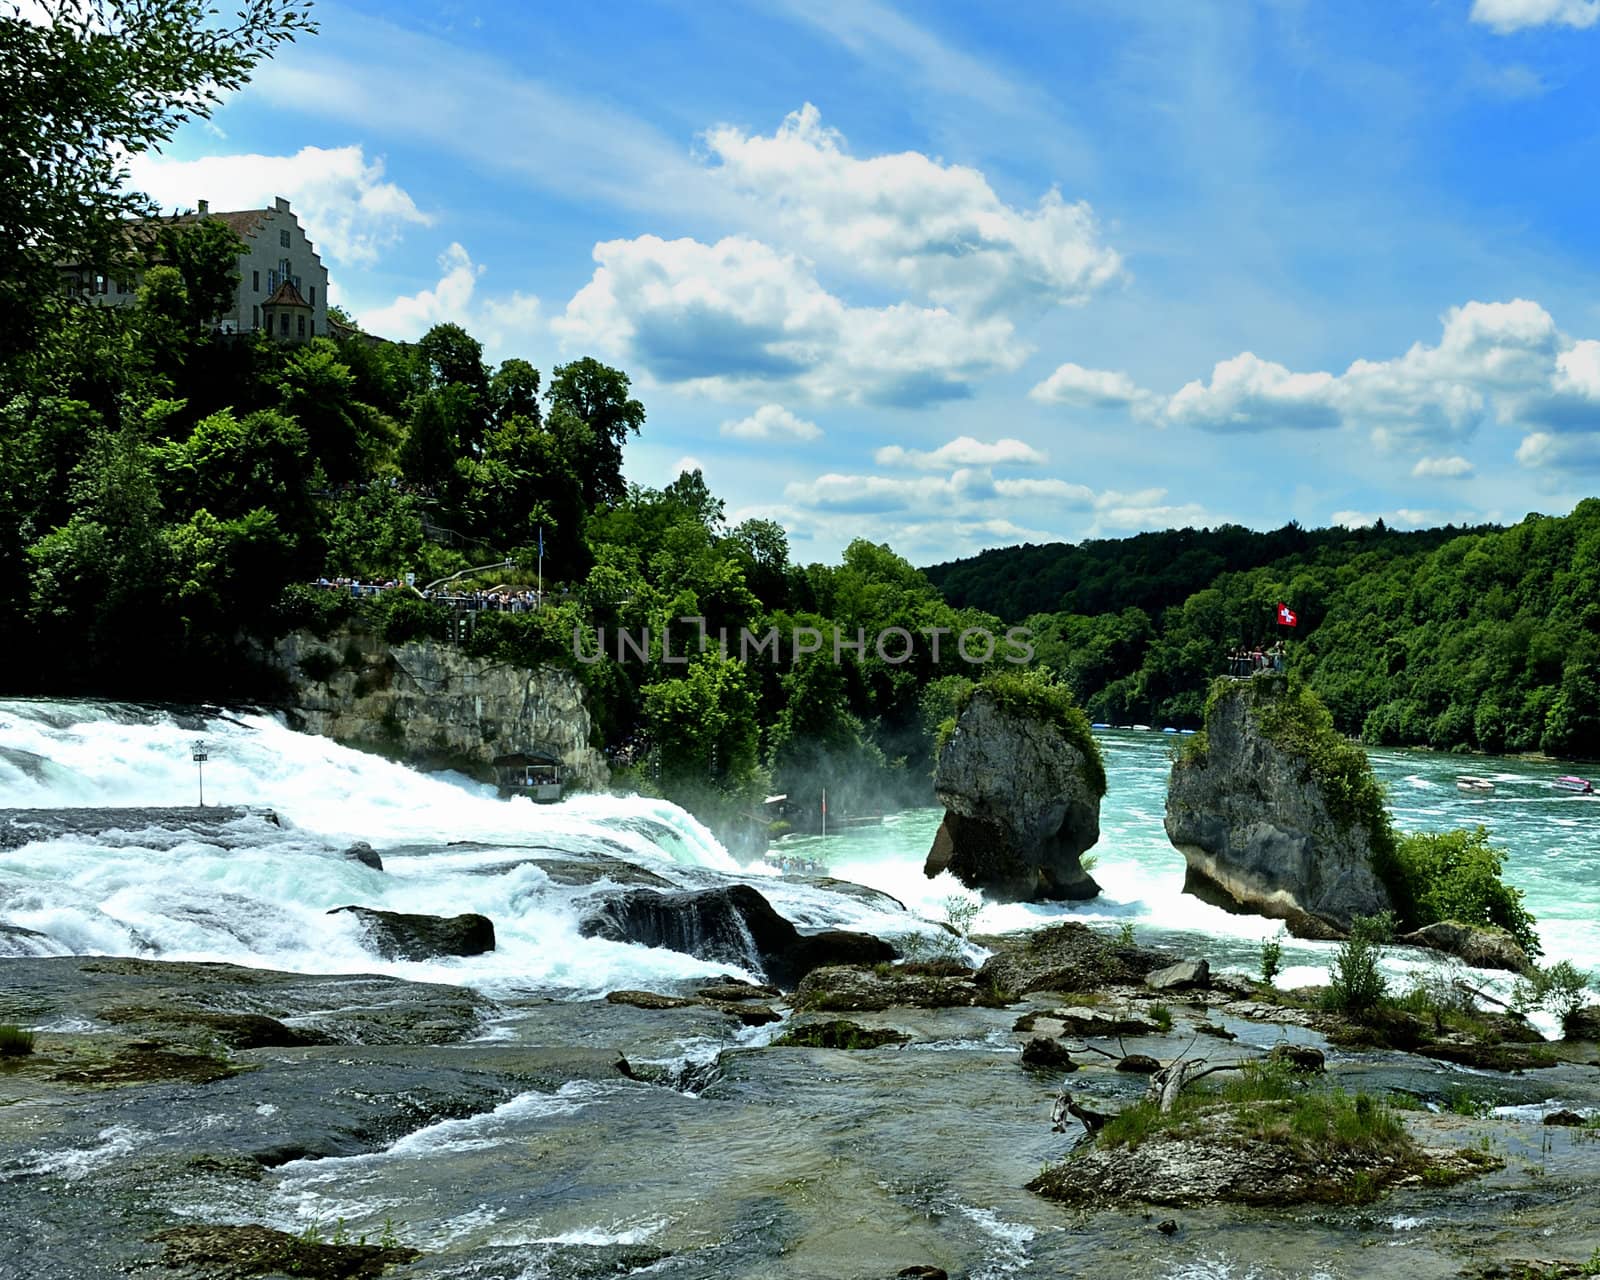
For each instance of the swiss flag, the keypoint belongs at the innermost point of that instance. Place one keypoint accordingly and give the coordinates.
(1287, 617)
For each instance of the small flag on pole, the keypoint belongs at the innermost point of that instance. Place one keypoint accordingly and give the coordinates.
(1287, 617)
(541, 540)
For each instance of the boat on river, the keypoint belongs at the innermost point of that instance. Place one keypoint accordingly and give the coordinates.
(1475, 786)
(1582, 786)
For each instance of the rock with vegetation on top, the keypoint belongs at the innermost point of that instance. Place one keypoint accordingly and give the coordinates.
(397, 935)
(1480, 947)
(1276, 814)
(1065, 957)
(1021, 780)
(732, 925)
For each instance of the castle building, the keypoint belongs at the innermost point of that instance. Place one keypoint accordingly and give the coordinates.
(283, 286)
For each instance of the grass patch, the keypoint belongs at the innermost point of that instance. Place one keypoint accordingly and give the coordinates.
(14, 1041)
(1161, 1015)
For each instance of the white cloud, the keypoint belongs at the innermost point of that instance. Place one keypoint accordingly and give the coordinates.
(683, 466)
(1504, 362)
(936, 230)
(1095, 389)
(738, 316)
(963, 451)
(1505, 16)
(504, 325)
(1543, 451)
(772, 422)
(1442, 468)
(350, 212)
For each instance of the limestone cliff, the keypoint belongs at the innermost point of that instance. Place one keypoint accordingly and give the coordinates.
(1022, 802)
(1275, 815)
(432, 706)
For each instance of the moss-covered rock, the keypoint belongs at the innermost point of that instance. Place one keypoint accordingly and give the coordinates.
(237, 1251)
(839, 1034)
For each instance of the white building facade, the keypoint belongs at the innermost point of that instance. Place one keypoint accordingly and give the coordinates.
(276, 251)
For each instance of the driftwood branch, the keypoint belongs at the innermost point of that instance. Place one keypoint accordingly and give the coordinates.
(1166, 1084)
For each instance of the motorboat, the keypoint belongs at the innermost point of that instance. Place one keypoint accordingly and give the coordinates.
(1475, 786)
(1582, 786)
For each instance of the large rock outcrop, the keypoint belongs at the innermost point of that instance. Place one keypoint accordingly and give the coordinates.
(732, 925)
(398, 935)
(1262, 830)
(1022, 803)
(432, 706)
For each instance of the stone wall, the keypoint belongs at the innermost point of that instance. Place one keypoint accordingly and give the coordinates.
(434, 707)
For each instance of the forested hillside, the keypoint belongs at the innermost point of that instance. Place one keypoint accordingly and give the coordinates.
(1481, 638)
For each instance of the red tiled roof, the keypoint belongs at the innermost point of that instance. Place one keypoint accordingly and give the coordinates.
(287, 295)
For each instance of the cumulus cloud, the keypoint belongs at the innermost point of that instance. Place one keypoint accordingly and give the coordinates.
(738, 316)
(963, 451)
(1072, 384)
(1542, 451)
(1505, 16)
(1442, 468)
(344, 202)
(772, 422)
(1503, 362)
(937, 230)
(502, 324)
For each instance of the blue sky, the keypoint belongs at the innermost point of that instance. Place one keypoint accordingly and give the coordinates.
(954, 276)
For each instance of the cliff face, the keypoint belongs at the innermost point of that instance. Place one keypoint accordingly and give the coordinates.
(1020, 806)
(1260, 831)
(432, 706)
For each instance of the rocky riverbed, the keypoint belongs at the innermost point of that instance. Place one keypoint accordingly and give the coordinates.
(167, 1106)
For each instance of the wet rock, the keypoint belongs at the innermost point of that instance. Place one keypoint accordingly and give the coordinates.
(1044, 1053)
(733, 924)
(1260, 832)
(749, 1015)
(365, 854)
(590, 869)
(222, 825)
(650, 1000)
(1584, 1024)
(731, 990)
(1298, 1057)
(233, 1030)
(1065, 957)
(1183, 976)
(1566, 1118)
(347, 1008)
(1139, 1064)
(1481, 948)
(922, 1272)
(397, 935)
(1167, 1227)
(1080, 1020)
(839, 1034)
(251, 1250)
(1022, 802)
(845, 988)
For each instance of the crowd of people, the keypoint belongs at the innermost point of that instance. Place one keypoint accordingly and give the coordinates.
(503, 599)
(1246, 662)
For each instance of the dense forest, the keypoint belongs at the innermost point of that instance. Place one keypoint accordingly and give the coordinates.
(1482, 638)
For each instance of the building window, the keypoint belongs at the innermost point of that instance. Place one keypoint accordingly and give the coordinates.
(255, 317)
(102, 284)
(283, 323)
(302, 326)
(255, 281)
(283, 237)
(313, 298)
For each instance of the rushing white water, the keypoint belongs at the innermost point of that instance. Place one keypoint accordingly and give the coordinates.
(449, 845)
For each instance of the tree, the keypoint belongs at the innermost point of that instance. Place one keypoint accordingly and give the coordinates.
(597, 396)
(94, 83)
(514, 392)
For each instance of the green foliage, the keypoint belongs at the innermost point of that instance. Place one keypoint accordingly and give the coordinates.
(1563, 989)
(14, 1041)
(1271, 960)
(1455, 875)
(1161, 1015)
(1357, 986)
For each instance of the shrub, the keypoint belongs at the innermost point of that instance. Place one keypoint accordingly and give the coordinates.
(401, 616)
(1455, 875)
(1563, 989)
(1271, 960)
(14, 1041)
(319, 610)
(1358, 984)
